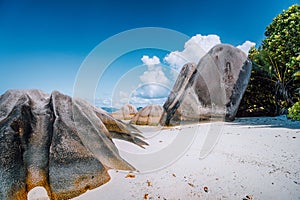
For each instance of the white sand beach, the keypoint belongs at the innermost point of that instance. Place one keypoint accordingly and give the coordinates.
(258, 157)
(254, 158)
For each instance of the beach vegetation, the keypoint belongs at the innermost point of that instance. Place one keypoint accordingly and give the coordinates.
(274, 82)
(294, 111)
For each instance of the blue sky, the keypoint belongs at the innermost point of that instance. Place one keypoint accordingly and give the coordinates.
(43, 43)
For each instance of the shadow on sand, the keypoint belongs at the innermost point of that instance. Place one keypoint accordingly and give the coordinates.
(268, 122)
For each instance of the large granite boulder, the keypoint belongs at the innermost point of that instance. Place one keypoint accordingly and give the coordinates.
(149, 115)
(60, 143)
(211, 89)
(125, 113)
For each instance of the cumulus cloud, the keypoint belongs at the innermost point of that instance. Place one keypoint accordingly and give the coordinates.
(151, 91)
(154, 74)
(246, 46)
(194, 49)
(154, 81)
(150, 61)
(205, 42)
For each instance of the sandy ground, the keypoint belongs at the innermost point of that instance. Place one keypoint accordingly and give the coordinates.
(254, 157)
(258, 157)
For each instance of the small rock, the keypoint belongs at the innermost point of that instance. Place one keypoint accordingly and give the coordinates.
(190, 184)
(129, 175)
(205, 188)
(146, 196)
(149, 183)
(248, 197)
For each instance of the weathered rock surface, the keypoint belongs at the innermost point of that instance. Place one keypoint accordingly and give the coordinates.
(125, 113)
(211, 89)
(60, 143)
(149, 115)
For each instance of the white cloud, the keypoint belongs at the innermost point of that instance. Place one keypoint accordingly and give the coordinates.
(154, 82)
(194, 49)
(153, 86)
(154, 74)
(246, 46)
(150, 61)
(151, 91)
(205, 42)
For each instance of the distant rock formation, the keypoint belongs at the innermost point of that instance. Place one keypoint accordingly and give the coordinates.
(213, 88)
(60, 143)
(125, 113)
(149, 115)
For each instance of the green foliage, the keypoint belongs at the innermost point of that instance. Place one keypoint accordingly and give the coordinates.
(294, 111)
(279, 58)
(282, 43)
(296, 75)
(258, 99)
